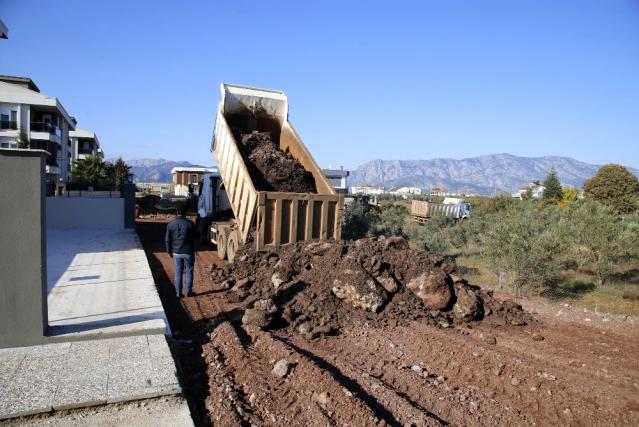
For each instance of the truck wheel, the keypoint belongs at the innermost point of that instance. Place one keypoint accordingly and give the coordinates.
(222, 244)
(232, 245)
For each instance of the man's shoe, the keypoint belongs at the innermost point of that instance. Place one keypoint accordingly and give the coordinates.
(178, 296)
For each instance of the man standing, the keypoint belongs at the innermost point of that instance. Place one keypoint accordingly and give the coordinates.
(180, 244)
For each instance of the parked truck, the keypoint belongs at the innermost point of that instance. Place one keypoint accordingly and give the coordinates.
(233, 209)
(423, 210)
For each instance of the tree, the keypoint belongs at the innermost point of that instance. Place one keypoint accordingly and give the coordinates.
(552, 191)
(120, 173)
(614, 186)
(23, 139)
(525, 243)
(89, 171)
(600, 237)
(392, 218)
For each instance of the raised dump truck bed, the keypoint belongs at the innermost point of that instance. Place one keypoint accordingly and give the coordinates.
(279, 218)
(422, 210)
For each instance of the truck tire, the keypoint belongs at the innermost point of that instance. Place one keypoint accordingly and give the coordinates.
(222, 241)
(232, 245)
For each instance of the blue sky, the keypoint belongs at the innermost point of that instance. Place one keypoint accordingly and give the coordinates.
(365, 80)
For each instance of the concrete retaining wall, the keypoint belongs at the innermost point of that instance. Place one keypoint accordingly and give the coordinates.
(84, 212)
(23, 276)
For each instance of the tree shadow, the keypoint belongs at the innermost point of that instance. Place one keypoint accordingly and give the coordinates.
(571, 289)
(627, 277)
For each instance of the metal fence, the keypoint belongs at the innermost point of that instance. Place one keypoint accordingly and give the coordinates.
(92, 194)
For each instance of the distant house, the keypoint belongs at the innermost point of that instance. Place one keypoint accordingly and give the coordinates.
(439, 191)
(185, 177)
(368, 190)
(84, 143)
(338, 178)
(536, 190)
(406, 191)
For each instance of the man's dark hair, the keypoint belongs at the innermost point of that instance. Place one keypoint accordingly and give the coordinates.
(181, 210)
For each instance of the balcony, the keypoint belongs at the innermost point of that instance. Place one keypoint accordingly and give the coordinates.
(88, 151)
(51, 169)
(46, 131)
(8, 124)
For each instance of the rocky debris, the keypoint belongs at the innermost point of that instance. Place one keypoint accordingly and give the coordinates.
(260, 314)
(282, 368)
(468, 306)
(433, 288)
(357, 287)
(490, 339)
(272, 169)
(316, 288)
(537, 337)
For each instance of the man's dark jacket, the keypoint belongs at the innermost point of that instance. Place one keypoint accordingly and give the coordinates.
(180, 236)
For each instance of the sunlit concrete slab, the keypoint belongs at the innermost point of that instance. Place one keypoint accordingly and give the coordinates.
(100, 284)
(85, 373)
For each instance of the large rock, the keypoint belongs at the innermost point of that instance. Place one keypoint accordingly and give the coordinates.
(388, 282)
(433, 288)
(261, 314)
(356, 286)
(468, 306)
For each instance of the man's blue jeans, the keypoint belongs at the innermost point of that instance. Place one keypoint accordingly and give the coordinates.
(183, 262)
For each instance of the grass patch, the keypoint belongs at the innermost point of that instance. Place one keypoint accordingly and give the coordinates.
(620, 296)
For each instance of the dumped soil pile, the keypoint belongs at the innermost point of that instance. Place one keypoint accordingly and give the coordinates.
(318, 288)
(272, 169)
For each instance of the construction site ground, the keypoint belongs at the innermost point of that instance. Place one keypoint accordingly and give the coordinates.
(569, 367)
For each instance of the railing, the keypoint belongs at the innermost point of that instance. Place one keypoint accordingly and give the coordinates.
(9, 124)
(85, 151)
(45, 127)
(93, 194)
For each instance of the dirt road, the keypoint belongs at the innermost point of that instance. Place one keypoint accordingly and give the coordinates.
(561, 370)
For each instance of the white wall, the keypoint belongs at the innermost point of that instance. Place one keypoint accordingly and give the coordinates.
(84, 212)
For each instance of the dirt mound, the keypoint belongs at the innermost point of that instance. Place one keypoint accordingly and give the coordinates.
(272, 169)
(318, 288)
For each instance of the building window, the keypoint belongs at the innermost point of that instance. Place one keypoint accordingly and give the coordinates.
(193, 178)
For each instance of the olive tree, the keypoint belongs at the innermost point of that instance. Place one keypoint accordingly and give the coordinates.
(524, 242)
(601, 239)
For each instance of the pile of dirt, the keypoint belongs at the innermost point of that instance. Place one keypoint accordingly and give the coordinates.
(317, 288)
(272, 169)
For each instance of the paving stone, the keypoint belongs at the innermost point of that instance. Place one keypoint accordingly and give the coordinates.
(32, 388)
(82, 384)
(87, 373)
(158, 346)
(48, 350)
(12, 353)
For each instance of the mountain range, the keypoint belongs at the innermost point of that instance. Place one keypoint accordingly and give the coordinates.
(494, 173)
(487, 175)
(154, 170)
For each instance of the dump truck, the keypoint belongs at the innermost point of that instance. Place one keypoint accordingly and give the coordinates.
(237, 210)
(421, 210)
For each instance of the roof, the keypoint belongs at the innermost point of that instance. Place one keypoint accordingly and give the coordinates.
(367, 186)
(21, 81)
(194, 169)
(18, 94)
(82, 133)
(4, 31)
(336, 172)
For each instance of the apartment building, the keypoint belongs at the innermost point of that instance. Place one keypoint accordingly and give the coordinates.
(406, 191)
(31, 119)
(338, 178)
(368, 190)
(84, 143)
(185, 177)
